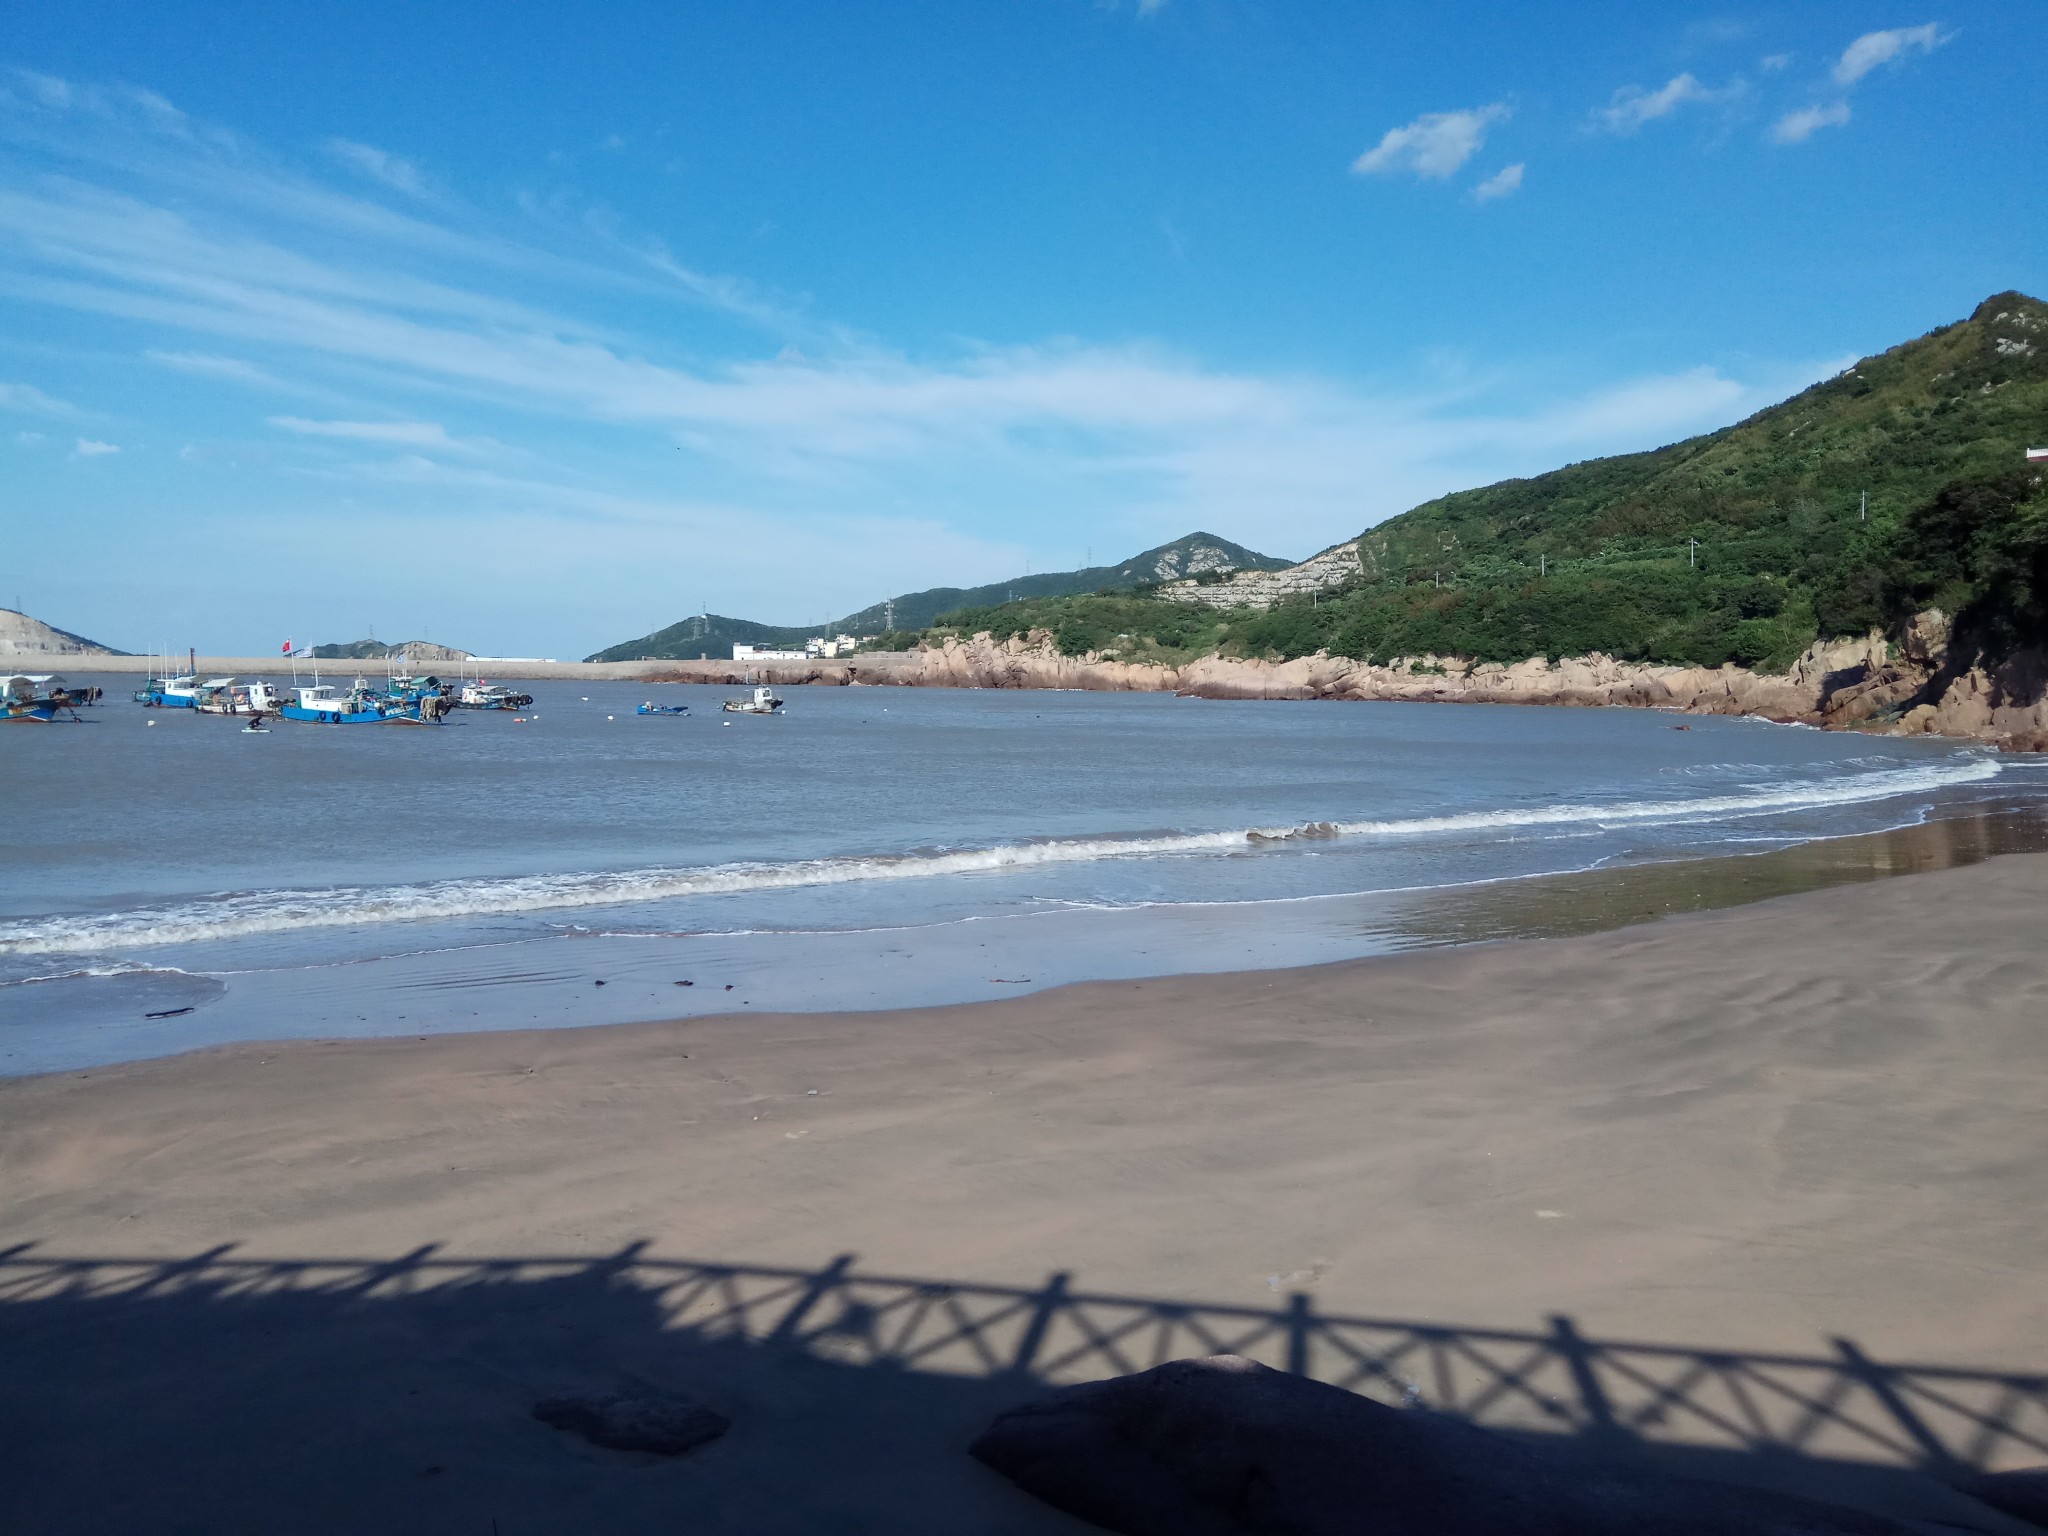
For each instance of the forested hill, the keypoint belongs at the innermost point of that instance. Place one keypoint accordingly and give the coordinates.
(713, 635)
(1741, 545)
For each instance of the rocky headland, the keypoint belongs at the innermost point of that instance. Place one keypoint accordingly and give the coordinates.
(1914, 685)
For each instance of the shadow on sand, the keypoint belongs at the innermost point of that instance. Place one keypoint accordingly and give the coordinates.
(226, 1394)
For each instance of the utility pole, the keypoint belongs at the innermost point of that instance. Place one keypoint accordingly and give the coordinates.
(1543, 565)
(1863, 510)
(1692, 554)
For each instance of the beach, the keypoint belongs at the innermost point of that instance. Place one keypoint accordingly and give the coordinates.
(1762, 1129)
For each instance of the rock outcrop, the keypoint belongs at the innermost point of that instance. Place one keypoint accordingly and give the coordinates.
(1227, 1447)
(1869, 682)
(1262, 589)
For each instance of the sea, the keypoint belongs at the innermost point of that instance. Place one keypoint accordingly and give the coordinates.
(168, 881)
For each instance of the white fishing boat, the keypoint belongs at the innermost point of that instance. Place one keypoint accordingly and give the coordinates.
(761, 701)
(228, 696)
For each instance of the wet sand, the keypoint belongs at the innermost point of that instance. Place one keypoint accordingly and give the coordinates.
(1755, 1129)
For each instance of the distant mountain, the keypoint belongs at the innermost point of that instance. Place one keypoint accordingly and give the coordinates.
(1196, 554)
(26, 639)
(377, 650)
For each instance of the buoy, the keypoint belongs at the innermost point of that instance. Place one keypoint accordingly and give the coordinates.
(611, 717)
(726, 723)
(149, 722)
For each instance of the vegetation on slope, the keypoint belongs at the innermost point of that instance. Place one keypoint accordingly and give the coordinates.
(714, 635)
(1742, 545)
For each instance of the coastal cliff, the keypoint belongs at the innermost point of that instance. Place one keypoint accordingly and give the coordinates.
(1911, 687)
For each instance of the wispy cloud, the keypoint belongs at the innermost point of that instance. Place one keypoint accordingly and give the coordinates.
(1435, 146)
(649, 433)
(93, 448)
(209, 366)
(26, 397)
(1797, 127)
(394, 171)
(1633, 106)
(416, 434)
(1772, 63)
(1873, 50)
(1502, 182)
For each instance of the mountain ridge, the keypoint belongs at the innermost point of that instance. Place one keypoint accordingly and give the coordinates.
(1192, 555)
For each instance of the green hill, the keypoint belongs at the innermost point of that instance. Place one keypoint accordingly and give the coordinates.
(1899, 483)
(712, 635)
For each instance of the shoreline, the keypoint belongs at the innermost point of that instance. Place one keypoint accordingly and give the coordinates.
(1867, 683)
(1749, 1130)
(93, 1022)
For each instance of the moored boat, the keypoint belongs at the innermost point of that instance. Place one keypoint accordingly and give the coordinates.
(41, 696)
(483, 695)
(227, 696)
(652, 708)
(761, 702)
(169, 692)
(327, 704)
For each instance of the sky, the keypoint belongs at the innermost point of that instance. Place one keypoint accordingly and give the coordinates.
(532, 328)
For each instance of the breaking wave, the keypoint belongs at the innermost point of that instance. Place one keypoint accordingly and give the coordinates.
(257, 912)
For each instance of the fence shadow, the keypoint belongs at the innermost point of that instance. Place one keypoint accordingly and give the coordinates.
(222, 1393)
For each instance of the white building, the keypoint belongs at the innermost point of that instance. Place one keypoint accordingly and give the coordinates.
(767, 653)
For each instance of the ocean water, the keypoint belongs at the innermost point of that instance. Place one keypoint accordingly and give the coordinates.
(868, 847)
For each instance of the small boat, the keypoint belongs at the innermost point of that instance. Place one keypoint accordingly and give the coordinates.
(652, 708)
(761, 702)
(326, 704)
(41, 696)
(225, 696)
(483, 695)
(169, 692)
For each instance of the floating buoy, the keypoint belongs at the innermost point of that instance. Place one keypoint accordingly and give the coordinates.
(611, 717)
(149, 722)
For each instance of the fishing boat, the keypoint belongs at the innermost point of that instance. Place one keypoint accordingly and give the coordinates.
(761, 702)
(227, 696)
(652, 708)
(169, 692)
(326, 704)
(41, 696)
(483, 695)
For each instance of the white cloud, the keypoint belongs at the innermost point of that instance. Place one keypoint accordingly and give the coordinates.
(1798, 127)
(1633, 106)
(379, 165)
(1503, 181)
(187, 254)
(26, 397)
(28, 439)
(1875, 49)
(412, 434)
(1772, 63)
(208, 366)
(92, 448)
(1435, 145)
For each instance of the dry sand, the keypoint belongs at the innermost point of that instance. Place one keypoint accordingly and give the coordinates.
(1760, 1129)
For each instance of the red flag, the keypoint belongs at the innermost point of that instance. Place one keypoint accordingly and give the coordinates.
(287, 648)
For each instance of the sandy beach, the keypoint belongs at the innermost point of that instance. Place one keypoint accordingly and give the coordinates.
(1759, 1131)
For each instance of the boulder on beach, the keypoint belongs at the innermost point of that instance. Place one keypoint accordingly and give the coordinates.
(662, 1423)
(1227, 1447)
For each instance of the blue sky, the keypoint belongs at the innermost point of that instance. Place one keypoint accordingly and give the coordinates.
(529, 328)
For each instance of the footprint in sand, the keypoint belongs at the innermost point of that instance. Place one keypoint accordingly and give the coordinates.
(1317, 1268)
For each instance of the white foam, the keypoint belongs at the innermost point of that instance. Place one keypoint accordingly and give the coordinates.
(259, 912)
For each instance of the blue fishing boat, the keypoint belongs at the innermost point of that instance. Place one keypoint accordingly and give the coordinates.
(652, 708)
(326, 704)
(179, 692)
(41, 696)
